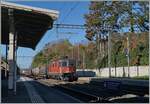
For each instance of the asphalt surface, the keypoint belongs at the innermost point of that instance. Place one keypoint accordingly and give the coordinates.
(25, 93)
(9, 97)
(52, 95)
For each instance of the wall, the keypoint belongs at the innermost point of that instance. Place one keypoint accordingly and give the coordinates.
(104, 72)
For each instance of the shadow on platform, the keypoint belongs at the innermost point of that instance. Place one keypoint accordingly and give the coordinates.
(8, 96)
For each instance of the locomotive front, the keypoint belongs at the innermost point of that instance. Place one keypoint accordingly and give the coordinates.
(68, 68)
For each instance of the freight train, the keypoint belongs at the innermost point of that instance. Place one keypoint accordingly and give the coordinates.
(62, 69)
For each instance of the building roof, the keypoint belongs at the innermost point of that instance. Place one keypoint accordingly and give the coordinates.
(31, 23)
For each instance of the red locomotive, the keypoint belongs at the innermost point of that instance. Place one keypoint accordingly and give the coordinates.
(63, 69)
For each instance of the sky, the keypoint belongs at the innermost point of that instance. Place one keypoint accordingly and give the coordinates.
(70, 13)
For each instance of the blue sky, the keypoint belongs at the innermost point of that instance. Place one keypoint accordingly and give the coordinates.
(76, 16)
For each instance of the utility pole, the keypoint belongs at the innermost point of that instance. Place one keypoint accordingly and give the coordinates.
(128, 55)
(128, 38)
(78, 56)
(109, 53)
(72, 53)
(47, 63)
(105, 48)
(138, 59)
(46, 70)
(83, 61)
(97, 48)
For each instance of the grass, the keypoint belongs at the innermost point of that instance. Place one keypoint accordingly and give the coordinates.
(141, 77)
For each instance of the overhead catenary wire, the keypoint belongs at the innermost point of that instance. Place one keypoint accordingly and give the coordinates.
(70, 11)
(61, 8)
(65, 17)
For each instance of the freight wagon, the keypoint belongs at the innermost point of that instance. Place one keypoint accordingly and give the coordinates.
(39, 72)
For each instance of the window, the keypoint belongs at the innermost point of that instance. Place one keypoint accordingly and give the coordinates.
(72, 63)
(64, 63)
(59, 63)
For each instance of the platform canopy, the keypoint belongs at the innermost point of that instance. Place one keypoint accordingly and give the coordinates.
(30, 23)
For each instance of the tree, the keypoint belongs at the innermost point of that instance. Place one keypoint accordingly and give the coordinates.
(116, 14)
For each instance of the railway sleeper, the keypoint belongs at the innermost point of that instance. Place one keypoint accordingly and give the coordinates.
(137, 90)
(89, 97)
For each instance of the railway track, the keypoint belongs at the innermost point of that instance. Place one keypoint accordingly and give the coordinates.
(87, 92)
(107, 96)
(82, 95)
(139, 90)
(77, 93)
(104, 95)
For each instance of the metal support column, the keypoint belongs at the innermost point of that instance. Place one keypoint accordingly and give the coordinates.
(11, 51)
(149, 44)
(149, 40)
(15, 60)
(6, 62)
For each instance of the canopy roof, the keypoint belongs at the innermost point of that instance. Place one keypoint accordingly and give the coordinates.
(31, 23)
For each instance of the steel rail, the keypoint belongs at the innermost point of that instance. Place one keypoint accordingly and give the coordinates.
(87, 97)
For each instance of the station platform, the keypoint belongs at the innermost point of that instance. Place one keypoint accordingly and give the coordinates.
(9, 97)
(30, 91)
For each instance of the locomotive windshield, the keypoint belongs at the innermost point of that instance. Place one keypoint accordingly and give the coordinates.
(72, 63)
(64, 63)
